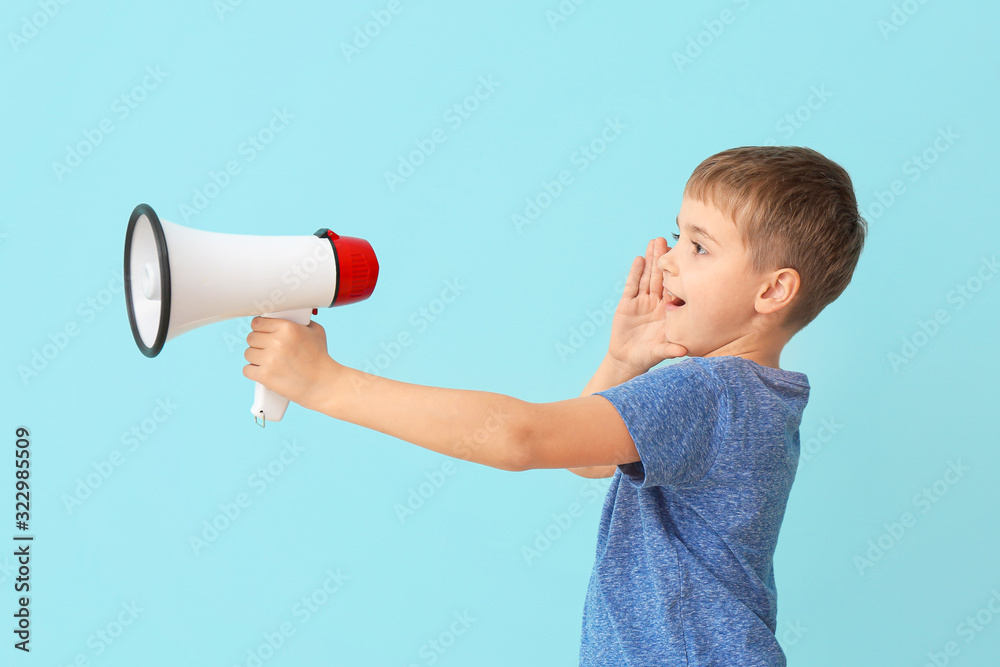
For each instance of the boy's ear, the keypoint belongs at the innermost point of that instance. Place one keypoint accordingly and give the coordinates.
(779, 290)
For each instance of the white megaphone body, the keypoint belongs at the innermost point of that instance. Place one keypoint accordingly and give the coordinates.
(178, 279)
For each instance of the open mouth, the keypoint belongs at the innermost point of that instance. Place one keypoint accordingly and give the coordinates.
(675, 301)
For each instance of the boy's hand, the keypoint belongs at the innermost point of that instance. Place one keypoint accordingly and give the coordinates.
(290, 359)
(638, 333)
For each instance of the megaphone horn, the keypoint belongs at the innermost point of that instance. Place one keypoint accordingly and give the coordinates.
(178, 279)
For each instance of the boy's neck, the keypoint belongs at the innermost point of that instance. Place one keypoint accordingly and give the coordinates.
(752, 350)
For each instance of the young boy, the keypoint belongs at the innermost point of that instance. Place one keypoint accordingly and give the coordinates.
(702, 452)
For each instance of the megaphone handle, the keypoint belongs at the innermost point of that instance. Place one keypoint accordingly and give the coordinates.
(267, 405)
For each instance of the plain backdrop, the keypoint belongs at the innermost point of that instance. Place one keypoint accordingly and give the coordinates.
(536, 147)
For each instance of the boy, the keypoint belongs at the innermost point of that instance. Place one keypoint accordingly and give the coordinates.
(702, 452)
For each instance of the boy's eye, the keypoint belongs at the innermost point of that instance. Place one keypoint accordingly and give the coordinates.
(698, 248)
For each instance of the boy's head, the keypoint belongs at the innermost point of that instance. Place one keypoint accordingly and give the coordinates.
(780, 235)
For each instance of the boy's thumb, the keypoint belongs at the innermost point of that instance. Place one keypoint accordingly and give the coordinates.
(671, 350)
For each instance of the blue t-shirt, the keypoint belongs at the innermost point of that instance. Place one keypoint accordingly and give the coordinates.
(683, 573)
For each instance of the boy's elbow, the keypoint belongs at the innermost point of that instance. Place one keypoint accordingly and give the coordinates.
(518, 439)
(518, 448)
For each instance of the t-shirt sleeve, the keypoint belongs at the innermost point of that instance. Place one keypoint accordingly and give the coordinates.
(674, 416)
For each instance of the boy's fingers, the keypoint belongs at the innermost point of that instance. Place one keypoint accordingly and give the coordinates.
(632, 282)
(656, 279)
(644, 279)
(256, 339)
(265, 324)
(253, 355)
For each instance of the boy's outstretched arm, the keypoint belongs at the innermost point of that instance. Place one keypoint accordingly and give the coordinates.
(488, 428)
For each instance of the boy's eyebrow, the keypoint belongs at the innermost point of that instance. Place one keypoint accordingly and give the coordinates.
(695, 229)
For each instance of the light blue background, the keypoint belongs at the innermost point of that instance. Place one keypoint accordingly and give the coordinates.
(333, 507)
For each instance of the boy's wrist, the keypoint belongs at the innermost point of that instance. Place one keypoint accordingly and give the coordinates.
(619, 370)
(326, 391)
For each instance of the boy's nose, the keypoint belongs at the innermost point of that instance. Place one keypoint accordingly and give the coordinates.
(662, 262)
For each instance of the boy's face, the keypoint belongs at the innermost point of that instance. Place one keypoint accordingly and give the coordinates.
(708, 269)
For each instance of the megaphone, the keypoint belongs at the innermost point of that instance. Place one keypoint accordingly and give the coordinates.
(178, 279)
